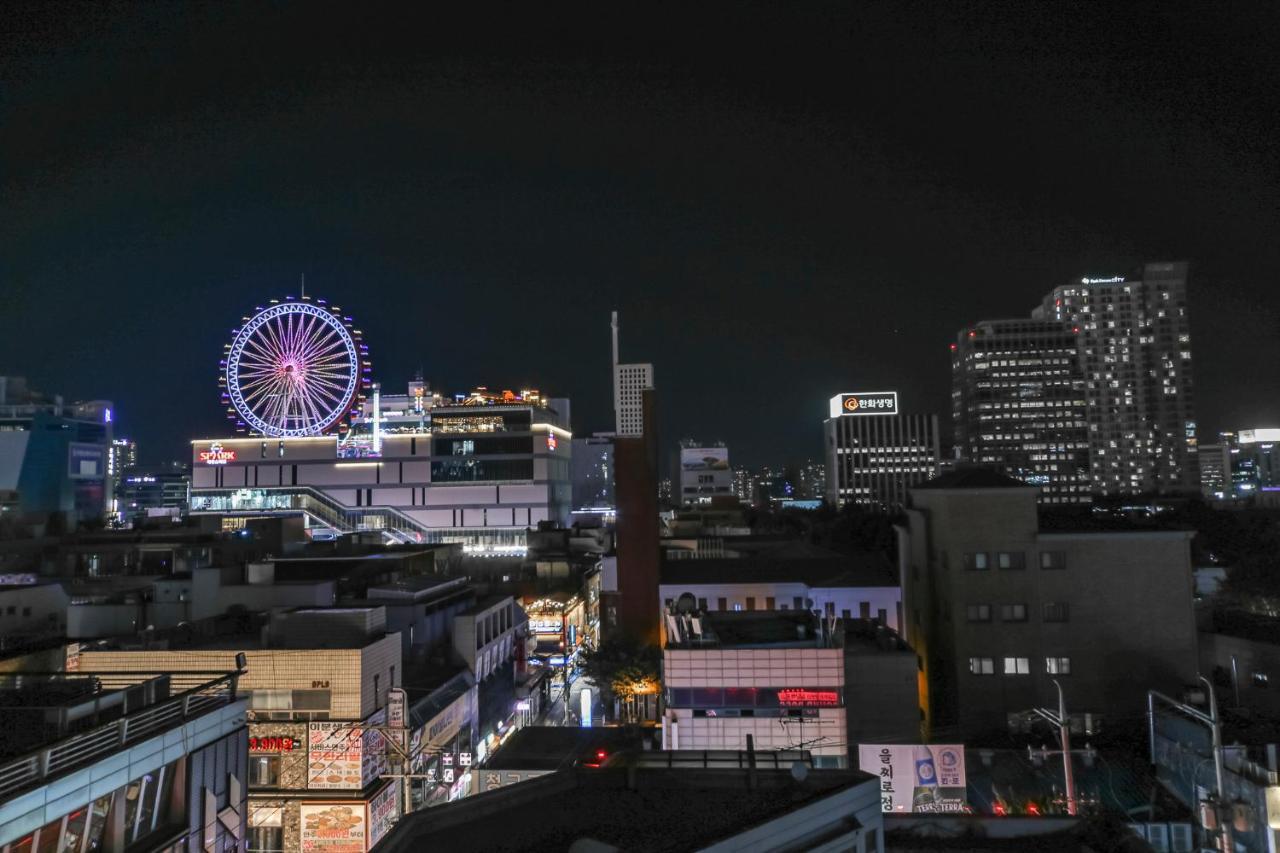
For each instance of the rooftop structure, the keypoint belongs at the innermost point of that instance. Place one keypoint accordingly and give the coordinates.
(658, 810)
(78, 750)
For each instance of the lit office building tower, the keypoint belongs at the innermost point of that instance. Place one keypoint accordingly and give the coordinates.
(1018, 403)
(874, 454)
(1215, 468)
(1135, 348)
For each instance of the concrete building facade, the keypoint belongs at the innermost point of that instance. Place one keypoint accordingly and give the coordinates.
(998, 607)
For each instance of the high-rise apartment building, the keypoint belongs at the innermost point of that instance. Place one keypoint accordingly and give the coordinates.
(630, 381)
(1019, 401)
(1135, 350)
(874, 453)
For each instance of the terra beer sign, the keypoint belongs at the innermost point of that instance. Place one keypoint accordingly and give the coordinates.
(864, 403)
(215, 455)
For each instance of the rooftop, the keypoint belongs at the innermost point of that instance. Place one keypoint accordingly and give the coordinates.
(662, 811)
(755, 629)
(973, 477)
(865, 569)
(53, 723)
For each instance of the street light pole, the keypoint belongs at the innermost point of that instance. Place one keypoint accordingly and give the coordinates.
(1064, 729)
(1216, 728)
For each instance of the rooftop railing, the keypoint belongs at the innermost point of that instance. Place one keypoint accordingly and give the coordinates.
(200, 693)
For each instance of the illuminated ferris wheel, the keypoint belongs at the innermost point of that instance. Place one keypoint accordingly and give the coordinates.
(294, 368)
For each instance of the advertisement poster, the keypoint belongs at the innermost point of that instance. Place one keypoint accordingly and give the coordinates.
(334, 755)
(333, 828)
(704, 458)
(915, 778)
(382, 813)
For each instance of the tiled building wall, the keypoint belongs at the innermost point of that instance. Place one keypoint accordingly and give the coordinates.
(754, 668)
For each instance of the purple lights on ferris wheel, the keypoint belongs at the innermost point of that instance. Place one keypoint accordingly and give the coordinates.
(294, 369)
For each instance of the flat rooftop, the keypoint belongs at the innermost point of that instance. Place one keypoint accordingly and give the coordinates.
(868, 569)
(663, 811)
(759, 629)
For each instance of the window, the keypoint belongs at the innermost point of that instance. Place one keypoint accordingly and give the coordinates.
(1053, 560)
(722, 604)
(976, 562)
(846, 613)
(1013, 613)
(864, 609)
(751, 602)
(702, 605)
(1055, 611)
(266, 839)
(1011, 560)
(770, 603)
(978, 612)
(26, 611)
(737, 605)
(829, 608)
(1260, 679)
(797, 603)
(1057, 666)
(264, 771)
(1017, 666)
(982, 666)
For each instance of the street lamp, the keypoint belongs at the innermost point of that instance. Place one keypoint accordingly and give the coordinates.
(1063, 722)
(1214, 723)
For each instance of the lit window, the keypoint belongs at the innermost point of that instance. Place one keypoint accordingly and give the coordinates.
(1017, 666)
(1057, 666)
(1011, 560)
(1053, 560)
(982, 666)
(976, 562)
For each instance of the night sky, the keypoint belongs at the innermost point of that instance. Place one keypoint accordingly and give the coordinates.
(782, 203)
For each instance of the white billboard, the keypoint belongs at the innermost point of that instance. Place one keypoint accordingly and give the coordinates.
(917, 778)
(704, 458)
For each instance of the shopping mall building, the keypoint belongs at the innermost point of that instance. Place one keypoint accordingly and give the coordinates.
(479, 469)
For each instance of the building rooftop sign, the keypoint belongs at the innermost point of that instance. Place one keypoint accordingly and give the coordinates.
(864, 403)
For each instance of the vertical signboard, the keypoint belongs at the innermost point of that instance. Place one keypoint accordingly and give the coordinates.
(333, 828)
(916, 778)
(382, 813)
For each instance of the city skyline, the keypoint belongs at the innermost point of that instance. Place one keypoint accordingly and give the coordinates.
(767, 224)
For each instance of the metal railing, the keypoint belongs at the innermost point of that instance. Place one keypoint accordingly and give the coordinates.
(322, 508)
(102, 740)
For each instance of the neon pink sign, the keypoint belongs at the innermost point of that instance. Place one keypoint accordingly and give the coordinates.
(215, 455)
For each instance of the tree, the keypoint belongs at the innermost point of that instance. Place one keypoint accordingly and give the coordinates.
(623, 669)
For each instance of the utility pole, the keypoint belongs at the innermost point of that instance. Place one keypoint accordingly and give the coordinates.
(1214, 722)
(1063, 722)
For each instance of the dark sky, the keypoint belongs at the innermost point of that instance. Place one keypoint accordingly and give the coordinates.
(783, 202)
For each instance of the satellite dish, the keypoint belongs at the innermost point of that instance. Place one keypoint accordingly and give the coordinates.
(686, 603)
(799, 771)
